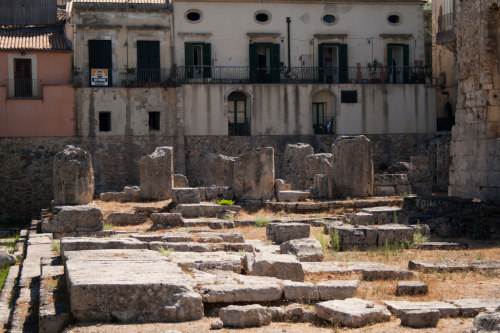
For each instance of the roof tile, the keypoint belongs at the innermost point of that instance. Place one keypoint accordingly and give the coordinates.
(32, 40)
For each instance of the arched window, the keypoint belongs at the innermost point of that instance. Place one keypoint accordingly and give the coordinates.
(238, 118)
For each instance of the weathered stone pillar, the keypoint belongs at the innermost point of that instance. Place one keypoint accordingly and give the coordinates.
(157, 174)
(254, 175)
(73, 177)
(352, 166)
(295, 164)
(420, 176)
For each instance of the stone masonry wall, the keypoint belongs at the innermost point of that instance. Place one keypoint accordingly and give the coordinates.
(475, 147)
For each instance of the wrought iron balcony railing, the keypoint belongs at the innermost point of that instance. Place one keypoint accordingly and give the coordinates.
(24, 88)
(249, 75)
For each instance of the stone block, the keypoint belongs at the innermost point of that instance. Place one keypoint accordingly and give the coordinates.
(281, 185)
(157, 174)
(293, 196)
(300, 291)
(282, 232)
(394, 234)
(305, 249)
(113, 196)
(384, 214)
(440, 246)
(420, 176)
(129, 286)
(217, 193)
(487, 322)
(339, 289)
(215, 169)
(88, 243)
(240, 316)
(203, 209)
(132, 193)
(385, 190)
(182, 195)
(470, 308)
(206, 261)
(411, 288)
(73, 177)
(254, 175)
(445, 309)
(322, 187)
(294, 166)
(360, 237)
(399, 168)
(126, 218)
(352, 312)
(369, 270)
(166, 220)
(317, 164)
(74, 218)
(180, 180)
(180, 246)
(281, 266)
(352, 166)
(419, 318)
(363, 218)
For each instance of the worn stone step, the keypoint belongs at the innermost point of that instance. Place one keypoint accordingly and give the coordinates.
(368, 270)
(87, 243)
(453, 266)
(440, 246)
(326, 206)
(352, 312)
(293, 196)
(207, 261)
(203, 210)
(472, 307)
(281, 266)
(445, 309)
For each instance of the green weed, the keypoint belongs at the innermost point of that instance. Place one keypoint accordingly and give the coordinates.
(225, 202)
(166, 252)
(55, 247)
(107, 226)
(395, 218)
(335, 240)
(261, 222)
(323, 241)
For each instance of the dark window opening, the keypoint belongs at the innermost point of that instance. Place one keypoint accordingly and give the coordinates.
(154, 121)
(329, 19)
(23, 84)
(148, 62)
(447, 122)
(193, 16)
(394, 19)
(104, 121)
(262, 17)
(100, 58)
(238, 123)
(349, 96)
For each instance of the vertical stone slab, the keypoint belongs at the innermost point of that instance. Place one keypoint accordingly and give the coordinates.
(318, 164)
(215, 169)
(73, 177)
(254, 175)
(352, 166)
(295, 164)
(157, 174)
(419, 175)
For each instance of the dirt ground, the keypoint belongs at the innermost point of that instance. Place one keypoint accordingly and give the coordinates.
(442, 286)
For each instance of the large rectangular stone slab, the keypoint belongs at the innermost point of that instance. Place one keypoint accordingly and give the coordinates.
(203, 210)
(394, 234)
(88, 243)
(472, 307)
(438, 266)
(74, 218)
(445, 309)
(281, 266)
(207, 261)
(368, 270)
(282, 232)
(129, 286)
(352, 312)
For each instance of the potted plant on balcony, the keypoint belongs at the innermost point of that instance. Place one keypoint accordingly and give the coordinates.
(373, 71)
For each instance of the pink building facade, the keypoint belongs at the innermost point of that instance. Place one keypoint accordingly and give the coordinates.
(36, 92)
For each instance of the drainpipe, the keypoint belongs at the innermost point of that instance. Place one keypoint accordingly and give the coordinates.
(289, 57)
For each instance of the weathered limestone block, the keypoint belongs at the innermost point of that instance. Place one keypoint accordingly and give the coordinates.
(445, 309)
(470, 308)
(352, 166)
(157, 174)
(180, 246)
(419, 318)
(305, 249)
(440, 246)
(300, 291)
(132, 193)
(216, 193)
(318, 164)
(6, 259)
(254, 175)
(399, 167)
(281, 266)
(339, 289)
(240, 316)
(113, 196)
(411, 288)
(352, 312)
(391, 184)
(73, 177)
(126, 218)
(280, 185)
(203, 210)
(90, 243)
(370, 271)
(129, 286)
(166, 220)
(394, 234)
(322, 187)
(487, 322)
(207, 261)
(420, 176)
(360, 237)
(183, 195)
(293, 196)
(74, 218)
(384, 214)
(295, 164)
(282, 232)
(216, 169)
(362, 218)
(180, 180)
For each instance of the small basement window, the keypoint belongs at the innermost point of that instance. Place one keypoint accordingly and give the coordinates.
(262, 17)
(349, 96)
(394, 19)
(104, 121)
(193, 16)
(154, 121)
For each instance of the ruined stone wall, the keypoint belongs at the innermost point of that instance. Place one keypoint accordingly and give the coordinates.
(26, 168)
(475, 147)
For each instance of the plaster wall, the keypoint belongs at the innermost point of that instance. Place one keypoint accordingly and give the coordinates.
(225, 25)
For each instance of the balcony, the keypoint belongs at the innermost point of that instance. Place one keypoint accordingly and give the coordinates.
(246, 75)
(24, 88)
(446, 32)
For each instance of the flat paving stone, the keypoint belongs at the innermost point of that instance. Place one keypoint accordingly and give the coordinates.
(305, 249)
(368, 270)
(281, 266)
(129, 286)
(337, 289)
(241, 316)
(282, 232)
(300, 291)
(206, 261)
(411, 288)
(419, 318)
(453, 266)
(445, 309)
(167, 237)
(203, 209)
(472, 307)
(87, 243)
(352, 312)
(440, 246)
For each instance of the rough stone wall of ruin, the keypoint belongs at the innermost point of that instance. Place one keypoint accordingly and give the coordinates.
(475, 147)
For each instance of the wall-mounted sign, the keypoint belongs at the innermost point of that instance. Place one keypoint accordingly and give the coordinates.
(99, 77)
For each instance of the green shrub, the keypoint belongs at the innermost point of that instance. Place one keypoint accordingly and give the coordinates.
(261, 222)
(166, 252)
(323, 241)
(418, 238)
(335, 240)
(107, 226)
(225, 202)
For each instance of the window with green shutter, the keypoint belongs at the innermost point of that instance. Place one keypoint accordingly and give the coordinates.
(198, 60)
(332, 63)
(398, 60)
(264, 62)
